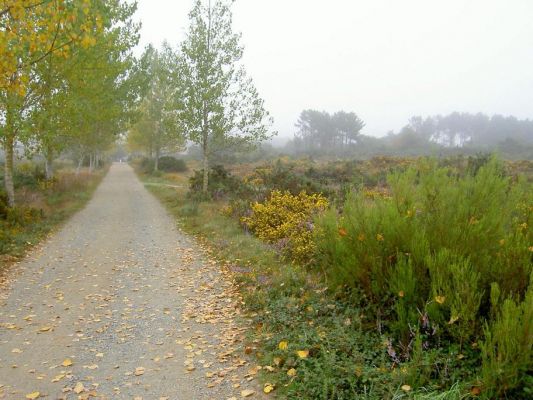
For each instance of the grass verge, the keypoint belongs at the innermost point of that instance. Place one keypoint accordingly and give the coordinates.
(42, 208)
(311, 343)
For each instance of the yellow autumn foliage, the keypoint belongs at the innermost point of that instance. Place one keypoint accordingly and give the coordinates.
(30, 30)
(285, 220)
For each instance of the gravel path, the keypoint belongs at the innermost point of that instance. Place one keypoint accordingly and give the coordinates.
(120, 305)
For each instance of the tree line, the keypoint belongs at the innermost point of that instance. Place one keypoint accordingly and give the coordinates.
(199, 92)
(321, 131)
(69, 82)
(339, 134)
(66, 78)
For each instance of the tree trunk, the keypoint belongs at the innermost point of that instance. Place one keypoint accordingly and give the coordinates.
(205, 133)
(206, 172)
(48, 164)
(156, 160)
(205, 137)
(80, 163)
(91, 163)
(9, 144)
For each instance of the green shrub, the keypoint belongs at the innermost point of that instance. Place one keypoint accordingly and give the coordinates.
(28, 174)
(221, 183)
(506, 351)
(431, 250)
(283, 177)
(166, 164)
(3, 205)
(285, 221)
(172, 164)
(455, 294)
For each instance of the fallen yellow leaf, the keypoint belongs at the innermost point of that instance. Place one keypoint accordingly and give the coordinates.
(453, 319)
(303, 353)
(57, 378)
(268, 388)
(79, 388)
(283, 345)
(291, 372)
(67, 362)
(406, 388)
(475, 391)
(440, 299)
(33, 395)
(247, 393)
(139, 371)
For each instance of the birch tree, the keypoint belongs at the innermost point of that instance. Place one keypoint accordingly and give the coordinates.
(156, 129)
(218, 104)
(30, 31)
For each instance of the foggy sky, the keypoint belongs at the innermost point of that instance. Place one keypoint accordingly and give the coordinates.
(386, 60)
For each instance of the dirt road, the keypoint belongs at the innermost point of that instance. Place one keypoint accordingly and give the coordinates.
(120, 305)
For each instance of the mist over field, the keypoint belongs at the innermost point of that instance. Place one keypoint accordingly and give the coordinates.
(385, 60)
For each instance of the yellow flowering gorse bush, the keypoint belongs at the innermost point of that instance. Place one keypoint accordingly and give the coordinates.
(285, 220)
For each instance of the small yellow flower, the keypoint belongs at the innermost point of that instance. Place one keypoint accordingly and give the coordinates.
(361, 237)
(342, 232)
(380, 237)
(440, 299)
(401, 293)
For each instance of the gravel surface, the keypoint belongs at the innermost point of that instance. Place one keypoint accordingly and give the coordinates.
(120, 304)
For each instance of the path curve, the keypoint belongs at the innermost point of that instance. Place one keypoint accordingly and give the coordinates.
(119, 304)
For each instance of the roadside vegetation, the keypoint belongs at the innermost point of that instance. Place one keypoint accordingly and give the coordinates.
(68, 85)
(367, 272)
(405, 281)
(68, 82)
(42, 205)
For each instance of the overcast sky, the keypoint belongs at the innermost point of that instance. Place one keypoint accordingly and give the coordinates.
(386, 60)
